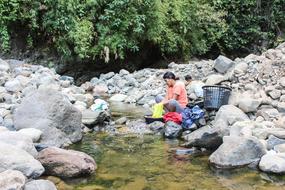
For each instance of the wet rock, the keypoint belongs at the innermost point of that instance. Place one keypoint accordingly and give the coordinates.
(237, 152)
(172, 130)
(138, 127)
(12, 180)
(91, 118)
(121, 120)
(204, 137)
(14, 158)
(66, 163)
(50, 112)
(157, 126)
(40, 185)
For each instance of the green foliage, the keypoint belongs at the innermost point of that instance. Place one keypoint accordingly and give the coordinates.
(184, 27)
(112, 29)
(251, 22)
(16, 11)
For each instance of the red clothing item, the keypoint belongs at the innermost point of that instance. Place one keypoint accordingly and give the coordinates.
(180, 90)
(173, 116)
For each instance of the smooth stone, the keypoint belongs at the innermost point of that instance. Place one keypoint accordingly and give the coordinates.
(14, 158)
(40, 185)
(34, 134)
(12, 180)
(66, 163)
(273, 162)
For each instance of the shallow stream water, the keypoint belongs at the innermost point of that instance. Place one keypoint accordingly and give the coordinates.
(149, 163)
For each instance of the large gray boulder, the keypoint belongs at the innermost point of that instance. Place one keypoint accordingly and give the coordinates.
(273, 162)
(223, 64)
(14, 158)
(66, 163)
(204, 137)
(12, 180)
(237, 152)
(40, 185)
(18, 140)
(49, 111)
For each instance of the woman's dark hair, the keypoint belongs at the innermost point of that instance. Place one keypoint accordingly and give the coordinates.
(169, 75)
(188, 77)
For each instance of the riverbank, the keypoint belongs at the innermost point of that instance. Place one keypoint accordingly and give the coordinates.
(44, 112)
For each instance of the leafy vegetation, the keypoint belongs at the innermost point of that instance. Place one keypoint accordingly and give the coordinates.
(252, 24)
(111, 29)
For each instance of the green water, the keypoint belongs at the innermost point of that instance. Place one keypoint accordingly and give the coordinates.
(149, 163)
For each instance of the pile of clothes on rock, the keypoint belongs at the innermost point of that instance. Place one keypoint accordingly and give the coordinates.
(191, 118)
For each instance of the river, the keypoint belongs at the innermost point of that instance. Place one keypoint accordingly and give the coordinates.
(149, 162)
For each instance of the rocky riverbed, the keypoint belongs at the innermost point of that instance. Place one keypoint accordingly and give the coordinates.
(42, 112)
